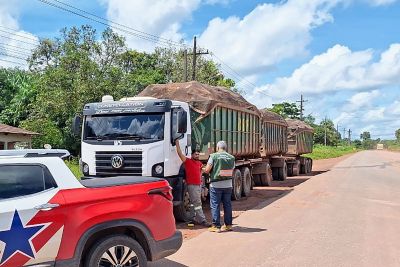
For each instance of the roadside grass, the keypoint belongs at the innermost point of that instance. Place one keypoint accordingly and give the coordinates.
(73, 165)
(327, 152)
(394, 147)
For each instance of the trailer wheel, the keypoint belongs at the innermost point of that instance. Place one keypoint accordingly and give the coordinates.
(246, 182)
(296, 168)
(266, 178)
(275, 173)
(282, 172)
(303, 169)
(290, 169)
(311, 163)
(182, 211)
(256, 179)
(237, 185)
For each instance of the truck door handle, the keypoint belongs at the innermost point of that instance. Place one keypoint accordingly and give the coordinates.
(47, 206)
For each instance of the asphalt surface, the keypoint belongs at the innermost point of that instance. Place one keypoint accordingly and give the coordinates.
(349, 216)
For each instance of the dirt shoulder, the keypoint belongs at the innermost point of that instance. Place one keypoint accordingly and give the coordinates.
(263, 196)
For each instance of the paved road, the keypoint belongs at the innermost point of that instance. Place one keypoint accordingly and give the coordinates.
(349, 216)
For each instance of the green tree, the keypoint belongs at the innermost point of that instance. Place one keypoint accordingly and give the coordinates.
(365, 136)
(286, 110)
(18, 91)
(397, 134)
(326, 127)
(49, 133)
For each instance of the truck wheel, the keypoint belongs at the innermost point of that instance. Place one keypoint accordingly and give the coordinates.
(290, 169)
(116, 250)
(296, 168)
(182, 211)
(246, 182)
(311, 163)
(256, 179)
(237, 185)
(266, 178)
(282, 172)
(303, 169)
(275, 174)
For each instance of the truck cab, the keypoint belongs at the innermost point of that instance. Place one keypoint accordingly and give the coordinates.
(135, 136)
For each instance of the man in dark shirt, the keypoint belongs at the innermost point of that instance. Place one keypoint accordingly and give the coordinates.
(193, 179)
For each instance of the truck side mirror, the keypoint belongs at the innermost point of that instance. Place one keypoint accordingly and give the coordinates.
(182, 122)
(76, 126)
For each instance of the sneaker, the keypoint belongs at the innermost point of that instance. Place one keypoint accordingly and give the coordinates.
(214, 229)
(227, 228)
(206, 224)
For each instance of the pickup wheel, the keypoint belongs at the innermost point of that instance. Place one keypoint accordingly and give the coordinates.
(116, 250)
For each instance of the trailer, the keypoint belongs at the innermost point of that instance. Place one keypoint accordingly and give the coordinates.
(139, 134)
(300, 141)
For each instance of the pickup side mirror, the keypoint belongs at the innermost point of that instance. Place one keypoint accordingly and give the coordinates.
(182, 122)
(76, 125)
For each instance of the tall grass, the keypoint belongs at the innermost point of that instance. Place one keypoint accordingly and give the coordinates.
(326, 152)
(73, 165)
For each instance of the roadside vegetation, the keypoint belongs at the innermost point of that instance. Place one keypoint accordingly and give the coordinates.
(326, 152)
(73, 165)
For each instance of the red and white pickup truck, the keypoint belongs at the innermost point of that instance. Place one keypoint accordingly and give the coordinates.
(49, 218)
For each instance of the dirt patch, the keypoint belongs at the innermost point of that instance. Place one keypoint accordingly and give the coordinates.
(262, 196)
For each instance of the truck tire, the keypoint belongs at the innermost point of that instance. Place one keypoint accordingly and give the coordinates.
(266, 178)
(246, 182)
(237, 185)
(311, 163)
(303, 168)
(256, 179)
(110, 251)
(275, 174)
(290, 169)
(296, 168)
(182, 211)
(282, 172)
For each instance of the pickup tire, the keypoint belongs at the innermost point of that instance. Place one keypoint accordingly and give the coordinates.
(116, 250)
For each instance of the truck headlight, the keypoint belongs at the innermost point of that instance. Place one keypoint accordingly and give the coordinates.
(85, 169)
(158, 170)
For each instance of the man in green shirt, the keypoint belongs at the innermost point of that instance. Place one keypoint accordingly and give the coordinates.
(220, 167)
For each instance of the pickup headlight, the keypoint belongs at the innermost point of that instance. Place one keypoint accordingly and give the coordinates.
(158, 170)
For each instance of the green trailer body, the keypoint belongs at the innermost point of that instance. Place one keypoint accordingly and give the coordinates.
(273, 134)
(239, 128)
(300, 138)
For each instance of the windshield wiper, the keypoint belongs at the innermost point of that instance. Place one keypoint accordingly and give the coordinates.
(132, 137)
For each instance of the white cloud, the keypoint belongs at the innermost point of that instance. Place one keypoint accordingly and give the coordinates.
(267, 35)
(381, 2)
(15, 39)
(341, 69)
(362, 99)
(159, 18)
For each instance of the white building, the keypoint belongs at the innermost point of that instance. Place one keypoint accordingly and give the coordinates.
(13, 137)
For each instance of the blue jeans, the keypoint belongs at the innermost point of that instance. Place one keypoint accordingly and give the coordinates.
(218, 195)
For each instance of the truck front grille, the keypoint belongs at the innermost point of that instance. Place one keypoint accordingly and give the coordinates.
(132, 163)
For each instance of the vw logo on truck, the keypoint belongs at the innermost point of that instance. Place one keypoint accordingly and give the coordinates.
(117, 161)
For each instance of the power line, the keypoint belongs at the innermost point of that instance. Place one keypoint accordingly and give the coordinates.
(10, 61)
(116, 23)
(12, 56)
(8, 37)
(17, 34)
(106, 22)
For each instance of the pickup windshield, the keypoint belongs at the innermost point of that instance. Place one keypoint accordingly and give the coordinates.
(125, 127)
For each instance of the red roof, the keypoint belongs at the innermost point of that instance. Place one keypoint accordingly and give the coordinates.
(14, 130)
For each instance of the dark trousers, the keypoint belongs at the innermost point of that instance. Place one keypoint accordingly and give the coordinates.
(218, 196)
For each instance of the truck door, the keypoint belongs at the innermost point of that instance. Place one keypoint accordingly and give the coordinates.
(31, 222)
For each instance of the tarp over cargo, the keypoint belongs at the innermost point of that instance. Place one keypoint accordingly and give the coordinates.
(201, 97)
(297, 126)
(273, 117)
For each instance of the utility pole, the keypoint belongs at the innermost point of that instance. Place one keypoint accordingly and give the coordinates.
(195, 54)
(302, 101)
(325, 131)
(344, 133)
(349, 137)
(185, 67)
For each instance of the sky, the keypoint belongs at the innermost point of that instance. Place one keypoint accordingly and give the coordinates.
(343, 56)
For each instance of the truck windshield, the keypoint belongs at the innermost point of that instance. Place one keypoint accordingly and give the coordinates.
(125, 127)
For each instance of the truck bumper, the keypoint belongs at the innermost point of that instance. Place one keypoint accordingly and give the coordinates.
(163, 248)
